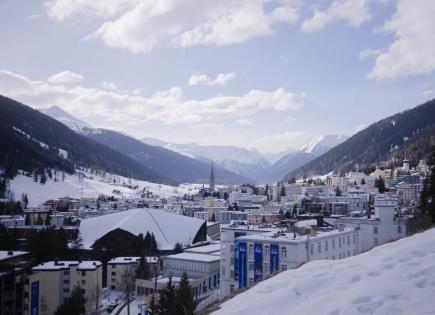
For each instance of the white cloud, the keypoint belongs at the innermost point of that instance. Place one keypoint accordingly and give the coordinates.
(141, 26)
(221, 79)
(111, 86)
(65, 77)
(428, 92)
(368, 53)
(354, 12)
(276, 142)
(413, 50)
(245, 122)
(168, 107)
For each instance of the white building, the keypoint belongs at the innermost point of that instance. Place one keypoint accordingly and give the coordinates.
(51, 283)
(248, 256)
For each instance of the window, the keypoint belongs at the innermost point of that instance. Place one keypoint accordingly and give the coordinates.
(232, 261)
(376, 241)
(266, 267)
(283, 267)
(83, 291)
(326, 245)
(83, 273)
(348, 240)
(112, 287)
(113, 266)
(66, 272)
(348, 253)
(312, 249)
(251, 249)
(375, 229)
(333, 243)
(354, 238)
(399, 229)
(83, 282)
(66, 281)
(66, 290)
(333, 257)
(339, 242)
(113, 273)
(284, 252)
(251, 266)
(319, 247)
(266, 250)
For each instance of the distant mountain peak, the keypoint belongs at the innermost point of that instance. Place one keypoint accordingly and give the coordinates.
(323, 143)
(65, 118)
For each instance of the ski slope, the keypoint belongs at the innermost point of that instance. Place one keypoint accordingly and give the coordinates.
(91, 186)
(396, 278)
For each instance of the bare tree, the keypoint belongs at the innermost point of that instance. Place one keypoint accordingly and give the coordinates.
(127, 285)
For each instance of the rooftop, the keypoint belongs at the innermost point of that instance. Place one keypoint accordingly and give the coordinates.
(194, 257)
(5, 255)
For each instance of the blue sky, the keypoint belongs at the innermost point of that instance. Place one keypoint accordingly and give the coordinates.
(268, 74)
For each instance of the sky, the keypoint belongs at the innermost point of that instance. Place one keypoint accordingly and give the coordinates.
(264, 74)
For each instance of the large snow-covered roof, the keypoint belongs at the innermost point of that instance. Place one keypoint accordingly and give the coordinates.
(395, 278)
(168, 228)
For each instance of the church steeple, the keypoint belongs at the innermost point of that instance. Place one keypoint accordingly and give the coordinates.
(212, 178)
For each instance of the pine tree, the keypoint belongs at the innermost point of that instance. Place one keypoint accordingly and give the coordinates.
(39, 220)
(184, 298)
(213, 217)
(178, 248)
(380, 184)
(48, 219)
(282, 191)
(167, 301)
(75, 305)
(43, 177)
(143, 269)
(27, 220)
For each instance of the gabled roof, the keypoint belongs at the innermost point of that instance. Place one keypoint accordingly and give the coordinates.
(167, 228)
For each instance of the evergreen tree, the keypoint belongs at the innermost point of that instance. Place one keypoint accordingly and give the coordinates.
(380, 184)
(184, 298)
(27, 220)
(236, 206)
(431, 189)
(213, 217)
(75, 305)
(178, 248)
(48, 219)
(295, 210)
(24, 200)
(43, 177)
(39, 220)
(143, 269)
(282, 191)
(167, 302)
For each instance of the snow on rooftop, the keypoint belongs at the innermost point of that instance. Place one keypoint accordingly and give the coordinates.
(208, 249)
(55, 265)
(194, 257)
(4, 254)
(395, 278)
(168, 228)
(306, 223)
(129, 260)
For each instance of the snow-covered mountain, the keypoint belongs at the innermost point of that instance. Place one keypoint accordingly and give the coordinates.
(67, 119)
(248, 163)
(395, 278)
(323, 143)
(263, 167)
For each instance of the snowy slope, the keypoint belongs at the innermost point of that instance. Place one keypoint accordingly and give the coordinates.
(92, 187)
(323, 143)
(396, 278)
(67, 119)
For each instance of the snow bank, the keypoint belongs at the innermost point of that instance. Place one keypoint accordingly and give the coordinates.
(396, 278)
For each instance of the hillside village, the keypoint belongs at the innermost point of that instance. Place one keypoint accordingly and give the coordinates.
(222, 238)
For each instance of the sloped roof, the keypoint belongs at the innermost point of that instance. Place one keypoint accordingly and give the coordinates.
(168, 228)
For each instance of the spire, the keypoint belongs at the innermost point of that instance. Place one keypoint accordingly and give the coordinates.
(212, 178)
